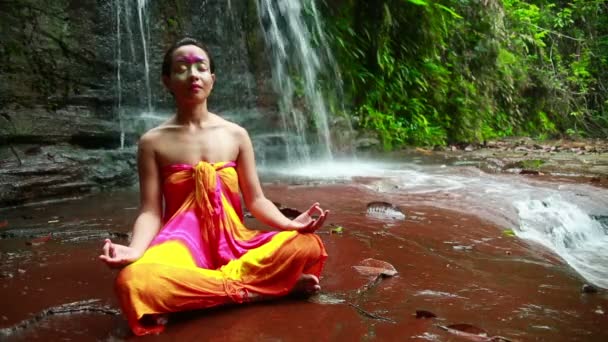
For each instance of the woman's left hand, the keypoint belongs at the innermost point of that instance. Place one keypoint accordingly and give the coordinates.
(306, 222)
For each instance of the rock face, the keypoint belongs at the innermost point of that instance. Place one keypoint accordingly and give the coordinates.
(67, 99)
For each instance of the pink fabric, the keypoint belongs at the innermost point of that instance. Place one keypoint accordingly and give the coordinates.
(211, 240)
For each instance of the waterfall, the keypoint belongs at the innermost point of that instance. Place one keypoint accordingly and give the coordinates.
(296, 68)
(118, 80)
(142, 17)
(301, 64)
(129, 51)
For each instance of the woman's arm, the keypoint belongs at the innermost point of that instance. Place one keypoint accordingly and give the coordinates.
(148, 222)
(262, 208)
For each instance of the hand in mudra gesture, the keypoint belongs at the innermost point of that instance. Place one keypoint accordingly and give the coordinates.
(307, 222)
(116, 255)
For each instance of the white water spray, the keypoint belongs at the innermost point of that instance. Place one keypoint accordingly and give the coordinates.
(142, 16)
(569, 219)
(289, 40)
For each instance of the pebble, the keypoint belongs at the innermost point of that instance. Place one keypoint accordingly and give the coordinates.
(587, 288)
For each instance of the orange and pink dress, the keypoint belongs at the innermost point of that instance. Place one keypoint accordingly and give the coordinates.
(204, 256)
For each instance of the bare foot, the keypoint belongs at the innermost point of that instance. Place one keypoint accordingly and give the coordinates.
(256, 297)
(155, 319)
(308, 284)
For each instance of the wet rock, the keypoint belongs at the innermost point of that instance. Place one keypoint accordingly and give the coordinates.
(424, 314)
(71, 172)
(6, 275)
(290, 213)
(39, 241)
(367, 143)
(326, 299)
(588, 288)
(120, 235)
(531, 172)
(371, 315)
(85, 306)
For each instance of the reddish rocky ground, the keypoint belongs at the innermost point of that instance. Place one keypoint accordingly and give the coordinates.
(461, 269)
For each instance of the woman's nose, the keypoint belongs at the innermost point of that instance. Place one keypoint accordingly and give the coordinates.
(194, 73)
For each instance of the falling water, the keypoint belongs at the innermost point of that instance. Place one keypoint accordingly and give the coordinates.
(296, 69)
(141, 15)
(118, 80)
(128, 60)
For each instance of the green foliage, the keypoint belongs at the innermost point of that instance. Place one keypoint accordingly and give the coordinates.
(532, 164)
(430, 72)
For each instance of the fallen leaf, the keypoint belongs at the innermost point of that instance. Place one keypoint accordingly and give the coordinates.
(508, 232)
(3, 224)
(384, 210)
(39, 241)
(424, 151)
(424, 314)
(471, 329)
(373, 267)
(336, 230)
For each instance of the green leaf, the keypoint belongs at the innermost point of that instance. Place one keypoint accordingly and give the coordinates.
(418, 2)
(449, 10)
(337, 230)
(508, 233)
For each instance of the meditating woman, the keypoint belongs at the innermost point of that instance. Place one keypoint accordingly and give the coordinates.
(198, 254)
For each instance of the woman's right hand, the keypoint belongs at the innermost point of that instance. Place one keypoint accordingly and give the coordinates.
(115, 255)
(306, 222)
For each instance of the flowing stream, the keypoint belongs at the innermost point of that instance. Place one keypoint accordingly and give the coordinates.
(569, 219)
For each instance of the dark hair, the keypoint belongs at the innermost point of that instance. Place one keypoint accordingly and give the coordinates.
(166, 70)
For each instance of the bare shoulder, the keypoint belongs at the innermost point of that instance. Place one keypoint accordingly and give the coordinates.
(151, 138)
(236, 131)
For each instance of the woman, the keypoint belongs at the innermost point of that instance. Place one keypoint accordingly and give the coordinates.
(199, 254)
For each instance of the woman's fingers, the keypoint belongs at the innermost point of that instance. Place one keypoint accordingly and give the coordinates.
(322, 219)
(314, 208)
(106, 247)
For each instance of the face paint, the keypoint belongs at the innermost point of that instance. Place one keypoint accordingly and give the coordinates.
(191, 59)
(184, 63)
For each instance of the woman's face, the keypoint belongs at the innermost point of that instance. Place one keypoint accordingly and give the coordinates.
(191, 79)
